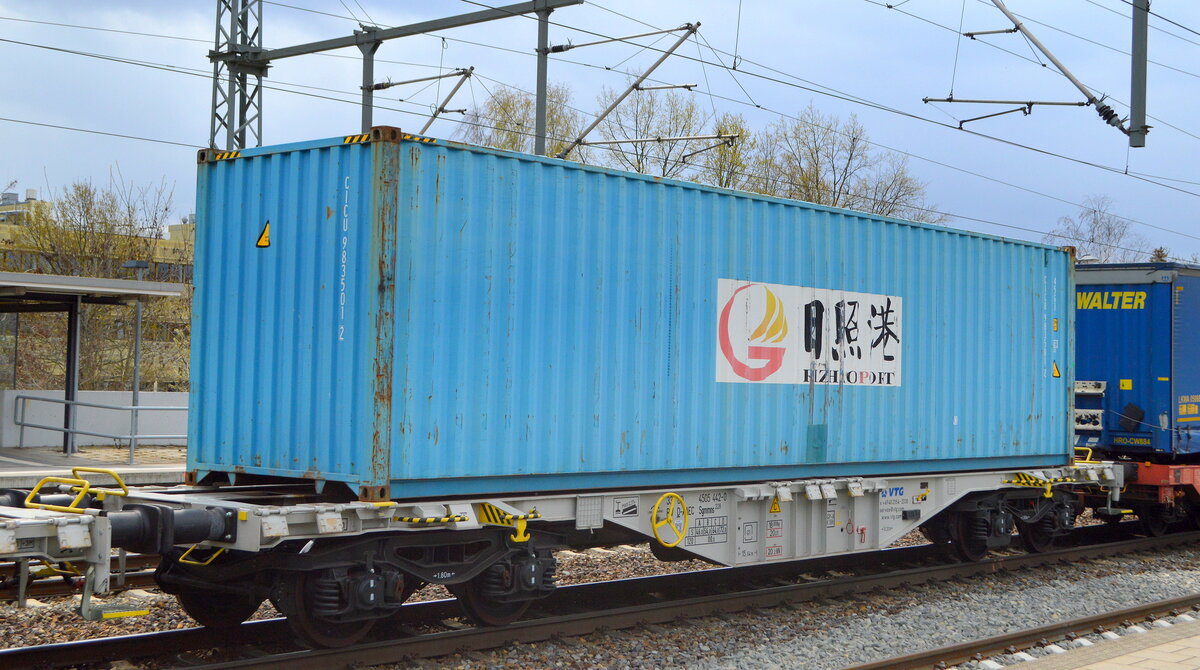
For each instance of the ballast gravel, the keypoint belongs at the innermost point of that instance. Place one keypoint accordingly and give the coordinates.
(815, 635)
(835, 634)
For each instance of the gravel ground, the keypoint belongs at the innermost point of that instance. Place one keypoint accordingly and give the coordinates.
(834, 634)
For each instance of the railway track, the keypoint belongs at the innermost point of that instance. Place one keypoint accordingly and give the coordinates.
(581, 609)
(1025, 639)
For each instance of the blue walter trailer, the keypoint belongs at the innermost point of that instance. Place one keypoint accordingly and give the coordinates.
(415, 317)
(1138, 336)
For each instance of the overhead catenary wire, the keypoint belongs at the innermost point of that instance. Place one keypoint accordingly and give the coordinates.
(831, 92)
(881, 107)
(1152, 27)
(957, 46)
(1093, 42)
(1160, 16)
(201, 73)
(1023, 57)
(204, 73)
(609, 148)
(100, 132)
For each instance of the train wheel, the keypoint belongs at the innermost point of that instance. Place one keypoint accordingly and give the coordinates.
(217, 609)
(1154, 523)
(294, 595)
(1037, 537)
(936, 531)
(483, 609)
(969, 533)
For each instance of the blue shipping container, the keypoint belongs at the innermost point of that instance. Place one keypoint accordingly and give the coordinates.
(1139, 332)
(444, 319)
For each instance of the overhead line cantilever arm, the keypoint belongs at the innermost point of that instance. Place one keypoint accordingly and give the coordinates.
(1007, 102)
(465, 75)
(1087, 93)
(689, 30)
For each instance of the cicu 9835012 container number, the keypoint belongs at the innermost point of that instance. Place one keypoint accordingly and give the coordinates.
(343, 259)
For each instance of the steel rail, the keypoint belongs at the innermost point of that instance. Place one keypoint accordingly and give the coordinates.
(1001, 644)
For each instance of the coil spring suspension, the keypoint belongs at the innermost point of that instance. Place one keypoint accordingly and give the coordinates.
(981, 528)
(326, 597)
(496, 580)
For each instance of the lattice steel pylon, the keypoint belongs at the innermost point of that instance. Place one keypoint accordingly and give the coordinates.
(237, 84)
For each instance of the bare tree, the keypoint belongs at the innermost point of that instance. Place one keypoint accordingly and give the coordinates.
(821, 159)
(91, 231)
(652, 114)
(506, 121)
(1160, 255)
(1099, 233)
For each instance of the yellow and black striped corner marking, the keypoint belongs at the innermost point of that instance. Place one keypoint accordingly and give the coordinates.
(489, 513)
(356, 139)
(457, 518)
(226, 155)
(1023, 479)
(418, 138)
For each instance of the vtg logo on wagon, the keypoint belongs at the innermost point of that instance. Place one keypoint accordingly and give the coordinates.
(780, 334)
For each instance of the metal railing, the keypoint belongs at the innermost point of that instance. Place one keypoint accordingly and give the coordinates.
(20, 407)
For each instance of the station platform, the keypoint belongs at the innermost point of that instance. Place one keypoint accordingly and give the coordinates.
(1173, 648)
(23, 468)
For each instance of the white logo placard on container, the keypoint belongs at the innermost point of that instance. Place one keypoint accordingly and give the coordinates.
(781, 334)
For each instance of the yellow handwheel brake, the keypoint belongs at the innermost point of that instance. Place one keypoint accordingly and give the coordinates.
(674, 500)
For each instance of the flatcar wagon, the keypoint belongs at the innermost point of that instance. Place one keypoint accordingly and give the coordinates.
(417, 361)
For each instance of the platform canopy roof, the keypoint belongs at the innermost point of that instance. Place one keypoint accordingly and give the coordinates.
(26, 292)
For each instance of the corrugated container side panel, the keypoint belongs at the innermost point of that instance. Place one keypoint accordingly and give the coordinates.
(609, 285)
(273, 387)
(562, 321)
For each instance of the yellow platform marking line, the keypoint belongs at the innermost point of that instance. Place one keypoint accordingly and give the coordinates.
(356, 139)
(457, 518)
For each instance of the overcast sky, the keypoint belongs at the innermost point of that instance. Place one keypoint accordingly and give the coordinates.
(890, 58)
